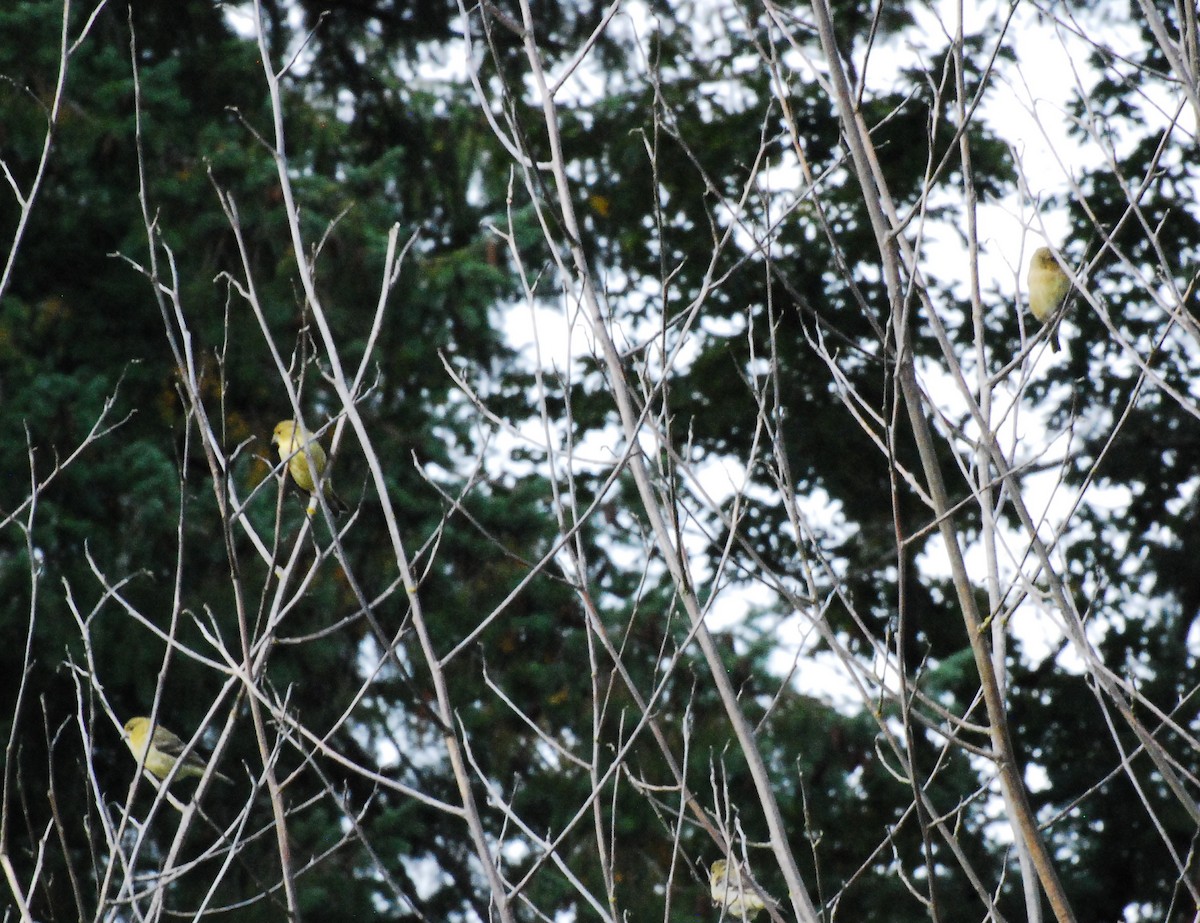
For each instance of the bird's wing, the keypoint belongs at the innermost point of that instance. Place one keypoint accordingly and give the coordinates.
(167, 742)
(317, 452)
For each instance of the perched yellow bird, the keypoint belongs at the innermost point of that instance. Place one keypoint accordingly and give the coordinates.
(298, 447)
(1048, 286)
(734, 891)
(164, 750)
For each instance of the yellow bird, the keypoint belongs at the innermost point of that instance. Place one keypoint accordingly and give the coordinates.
(1048, 286)
(298, 447)
(733, 890)
(164, 750)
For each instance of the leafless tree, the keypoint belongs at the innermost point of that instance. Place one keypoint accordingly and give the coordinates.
(959, 404)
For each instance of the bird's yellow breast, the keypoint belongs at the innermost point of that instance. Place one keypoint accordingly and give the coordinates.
(1048, 284)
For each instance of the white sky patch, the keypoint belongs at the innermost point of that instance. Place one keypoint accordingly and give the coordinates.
(426, 875)
(241, 20)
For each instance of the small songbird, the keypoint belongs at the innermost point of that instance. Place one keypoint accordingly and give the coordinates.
(298, 447)
(733, 890)
(159, 752)
(1048, 286)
